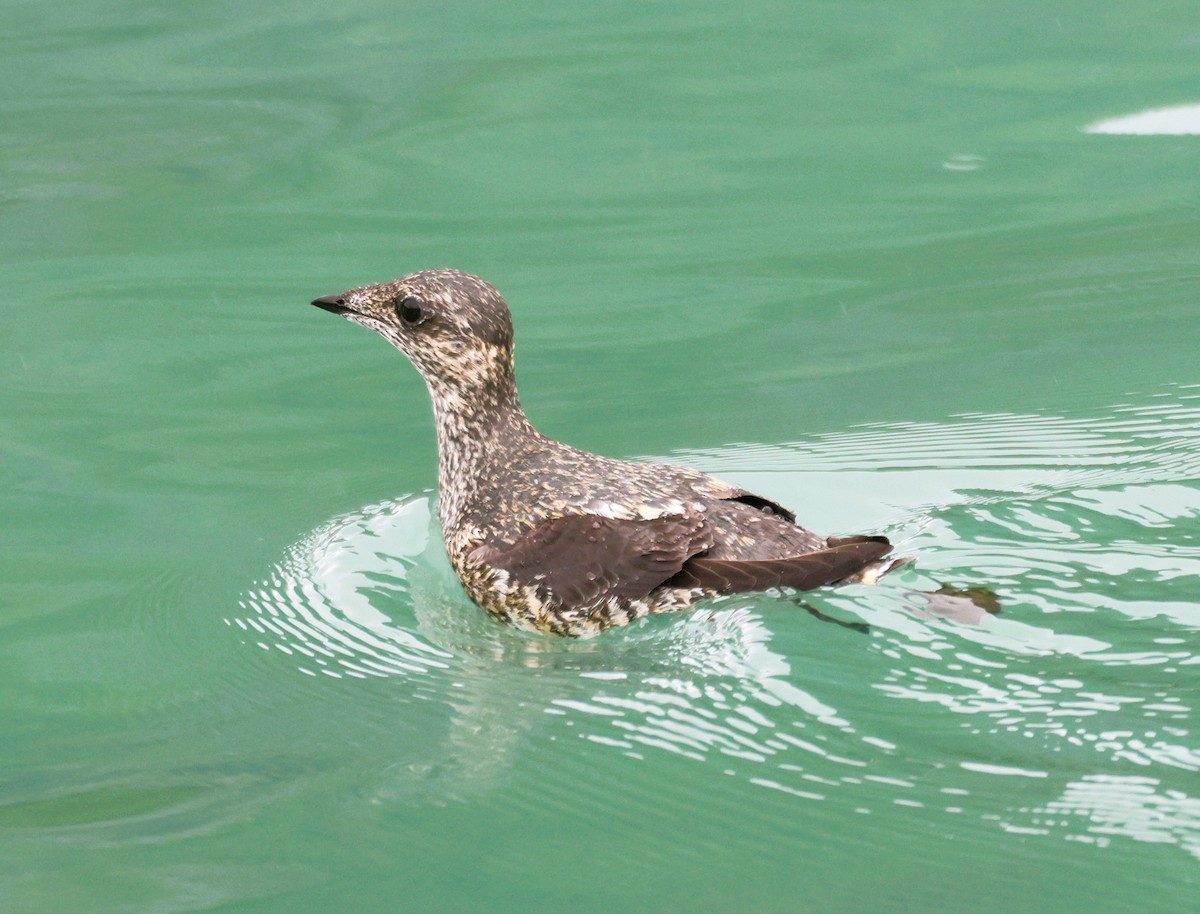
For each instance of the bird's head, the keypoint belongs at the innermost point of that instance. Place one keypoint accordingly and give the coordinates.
(453, 326)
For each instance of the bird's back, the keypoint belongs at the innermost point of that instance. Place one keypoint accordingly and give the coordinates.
(547, 479)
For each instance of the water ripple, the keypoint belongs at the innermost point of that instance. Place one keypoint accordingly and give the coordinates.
(321, 604)
(1082, 526)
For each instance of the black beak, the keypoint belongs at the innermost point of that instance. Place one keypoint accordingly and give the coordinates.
(332, 303)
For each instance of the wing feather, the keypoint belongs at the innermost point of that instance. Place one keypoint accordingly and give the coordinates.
(842, 559)
(585, 559)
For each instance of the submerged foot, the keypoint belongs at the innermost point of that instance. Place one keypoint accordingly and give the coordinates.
(861, 627)
(967, 606)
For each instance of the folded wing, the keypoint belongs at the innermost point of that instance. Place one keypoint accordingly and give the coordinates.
(841, 559)
(585, 559)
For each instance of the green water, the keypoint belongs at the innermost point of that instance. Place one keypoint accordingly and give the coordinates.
(861, 257)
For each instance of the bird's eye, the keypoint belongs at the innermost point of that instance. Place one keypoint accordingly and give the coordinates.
(410, 311)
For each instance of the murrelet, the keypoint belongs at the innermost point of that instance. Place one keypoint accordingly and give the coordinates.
(554, 539)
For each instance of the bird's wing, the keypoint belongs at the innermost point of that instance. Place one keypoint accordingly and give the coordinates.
(584, 559)
(844, 557)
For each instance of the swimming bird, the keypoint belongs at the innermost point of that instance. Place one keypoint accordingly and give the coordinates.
(558, 540)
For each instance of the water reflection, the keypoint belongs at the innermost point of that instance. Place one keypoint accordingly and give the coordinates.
(1083, 526)
(1177, 120)
(1108, 806)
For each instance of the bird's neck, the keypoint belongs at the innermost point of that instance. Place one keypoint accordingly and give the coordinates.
(476, 427)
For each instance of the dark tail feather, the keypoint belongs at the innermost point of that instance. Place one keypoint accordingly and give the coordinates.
(844, 558)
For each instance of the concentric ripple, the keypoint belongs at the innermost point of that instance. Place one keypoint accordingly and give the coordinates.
(1065, 715)
(324, 604)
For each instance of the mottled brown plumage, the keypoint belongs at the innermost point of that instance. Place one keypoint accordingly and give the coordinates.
(549, 537)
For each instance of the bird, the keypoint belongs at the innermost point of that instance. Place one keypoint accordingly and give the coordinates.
(557, 540)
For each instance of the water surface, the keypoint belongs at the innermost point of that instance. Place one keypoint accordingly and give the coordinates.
(880, 264)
